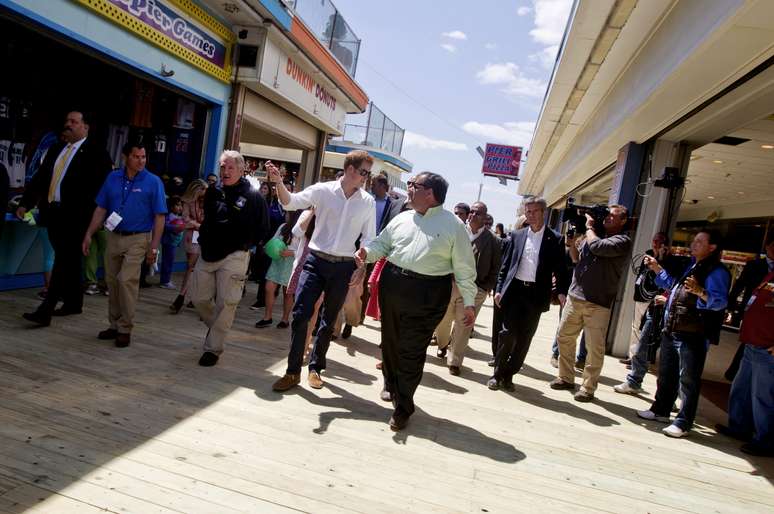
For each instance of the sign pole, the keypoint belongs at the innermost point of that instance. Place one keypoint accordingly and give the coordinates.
(480, 187)
(480, 184)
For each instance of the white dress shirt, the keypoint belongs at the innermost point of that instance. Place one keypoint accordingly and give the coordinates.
(339, 220)
(529, 257)
(76, 146)
(474, 235)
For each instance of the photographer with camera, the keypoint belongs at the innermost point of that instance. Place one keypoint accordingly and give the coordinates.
(601, 261)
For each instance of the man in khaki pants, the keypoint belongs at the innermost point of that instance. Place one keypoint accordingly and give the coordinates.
(600, 265)
(487, 252)
(131, 205)
(235, 219)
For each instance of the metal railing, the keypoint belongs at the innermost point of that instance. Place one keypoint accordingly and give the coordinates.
(379, 131)
(322, 17)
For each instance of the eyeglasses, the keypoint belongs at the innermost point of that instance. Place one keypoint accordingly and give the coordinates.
(416, 185)
(364, 172)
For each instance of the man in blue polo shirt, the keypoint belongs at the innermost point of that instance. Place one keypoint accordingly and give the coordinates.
(131, 204)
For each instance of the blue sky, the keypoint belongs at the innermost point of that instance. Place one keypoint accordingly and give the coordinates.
(481, 67)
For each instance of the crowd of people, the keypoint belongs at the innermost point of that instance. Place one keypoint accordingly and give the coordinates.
(340, 250)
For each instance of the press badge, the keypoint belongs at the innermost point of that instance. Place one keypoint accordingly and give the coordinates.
(113, 220)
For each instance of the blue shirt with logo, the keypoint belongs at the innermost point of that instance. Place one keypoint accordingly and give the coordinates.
(137, 201)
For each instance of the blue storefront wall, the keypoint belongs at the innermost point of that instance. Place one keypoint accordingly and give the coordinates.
(21, 248)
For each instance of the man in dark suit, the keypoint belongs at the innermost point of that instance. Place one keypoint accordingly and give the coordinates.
(750, 279)
(64, 189)
(523, 289)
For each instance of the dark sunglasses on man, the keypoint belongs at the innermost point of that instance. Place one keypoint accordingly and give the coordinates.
(364, 172)
(415, 185)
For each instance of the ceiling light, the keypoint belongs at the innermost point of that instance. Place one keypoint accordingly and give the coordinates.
(717, 161)
(710, 197)
(767, 147)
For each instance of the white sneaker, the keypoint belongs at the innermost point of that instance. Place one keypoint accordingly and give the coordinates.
(168, 285)
(651, 416)
(92, 290)
(674, 431)
(625, 388)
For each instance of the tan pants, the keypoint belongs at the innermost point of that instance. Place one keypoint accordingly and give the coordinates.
(459, 335)
(216, 289)
(123, 259)
(593, 319)
(640, 308)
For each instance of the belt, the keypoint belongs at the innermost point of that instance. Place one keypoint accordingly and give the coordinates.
(523, 283)
(412, 274)
(331, 258)
(129, 232)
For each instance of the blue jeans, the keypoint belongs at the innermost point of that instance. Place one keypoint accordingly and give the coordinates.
(679, 371)
(167, 260)
(751, 404)
(640, 357)
(318, 276)
(580, 356)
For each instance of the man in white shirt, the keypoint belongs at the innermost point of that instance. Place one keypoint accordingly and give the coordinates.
(523, 289)
(344, 213)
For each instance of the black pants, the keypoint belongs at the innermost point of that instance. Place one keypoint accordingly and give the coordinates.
(520, 317)
(411, 308)
(66, 283)
(497, 326)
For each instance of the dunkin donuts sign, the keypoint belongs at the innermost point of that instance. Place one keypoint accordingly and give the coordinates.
(306, 81)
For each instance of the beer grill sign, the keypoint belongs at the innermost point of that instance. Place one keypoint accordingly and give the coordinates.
(502, 160)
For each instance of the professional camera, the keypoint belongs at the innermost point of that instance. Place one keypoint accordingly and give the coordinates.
(575, 215)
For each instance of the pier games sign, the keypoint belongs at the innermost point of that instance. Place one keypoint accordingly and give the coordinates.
(177, 26)
(502, 161)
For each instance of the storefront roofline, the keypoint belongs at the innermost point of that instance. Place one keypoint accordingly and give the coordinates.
(273, 9)
(399, 162)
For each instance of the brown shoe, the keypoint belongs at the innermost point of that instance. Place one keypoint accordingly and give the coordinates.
(558, 383)
(583, 396)
(286, 382)
(123, 340)
(108, 334)
(315, 382)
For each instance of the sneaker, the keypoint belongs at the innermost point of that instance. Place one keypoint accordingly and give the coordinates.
(559, 384)
(286, 382)
(256, 306)
(493, 384)
(583, 396)
(441, 352)
(264, 323)
(652, 416)
(168, 285)
(625, 388)
(674, 431)
(91, 290)
(315, 382)
(555, 361)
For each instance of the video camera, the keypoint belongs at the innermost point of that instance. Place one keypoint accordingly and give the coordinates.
(575, 215)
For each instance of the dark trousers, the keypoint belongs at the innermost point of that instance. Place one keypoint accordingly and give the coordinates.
(366, 293)
(497, 326)
(66, 275)
(411, 308)
(520, 321)
(318, 276)
(260, 265)
(679, 372)
(167, 261)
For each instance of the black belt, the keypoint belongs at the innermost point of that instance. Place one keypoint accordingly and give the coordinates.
(129, 232)
(331, 258)
(412, 274)
(523, 283)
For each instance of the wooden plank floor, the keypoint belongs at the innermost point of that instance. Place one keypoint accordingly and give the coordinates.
(87, 427)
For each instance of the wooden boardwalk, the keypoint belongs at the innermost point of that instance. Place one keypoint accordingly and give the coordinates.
(86, 427)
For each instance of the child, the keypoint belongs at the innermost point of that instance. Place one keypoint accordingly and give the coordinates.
(279, 274)
(173, 236)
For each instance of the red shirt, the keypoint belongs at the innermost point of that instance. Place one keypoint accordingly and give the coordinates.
(758, 323)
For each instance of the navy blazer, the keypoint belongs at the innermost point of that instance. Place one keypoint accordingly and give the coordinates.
(551, 262)
(391, 209)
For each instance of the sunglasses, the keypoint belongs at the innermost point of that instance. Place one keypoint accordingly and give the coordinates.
(416, 185)
(364, 172)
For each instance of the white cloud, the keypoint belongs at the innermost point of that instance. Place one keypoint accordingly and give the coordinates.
(515, 83)
(523, 11)
(490, 46)
(546, 57)
(449, 47)
(455, 34)
(550, 20)
(412, 139)
(516, 133)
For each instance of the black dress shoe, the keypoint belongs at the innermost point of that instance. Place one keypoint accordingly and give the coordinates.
(441, 353)
(107, 335)
(208, 359)
(38, 317)
(64, 311)
(346, 332)
(726, 431)
(398, 422)
(509, 386)
(123, 340)
(177, 304)
(757, 450)
(490, 363)
(454, 370)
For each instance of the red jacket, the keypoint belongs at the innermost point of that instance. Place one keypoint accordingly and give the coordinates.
(758, 323)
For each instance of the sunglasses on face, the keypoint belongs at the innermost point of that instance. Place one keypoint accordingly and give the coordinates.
(415, 185)
(364, 172)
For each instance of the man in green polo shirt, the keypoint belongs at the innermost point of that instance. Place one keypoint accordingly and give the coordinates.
(425, 248)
